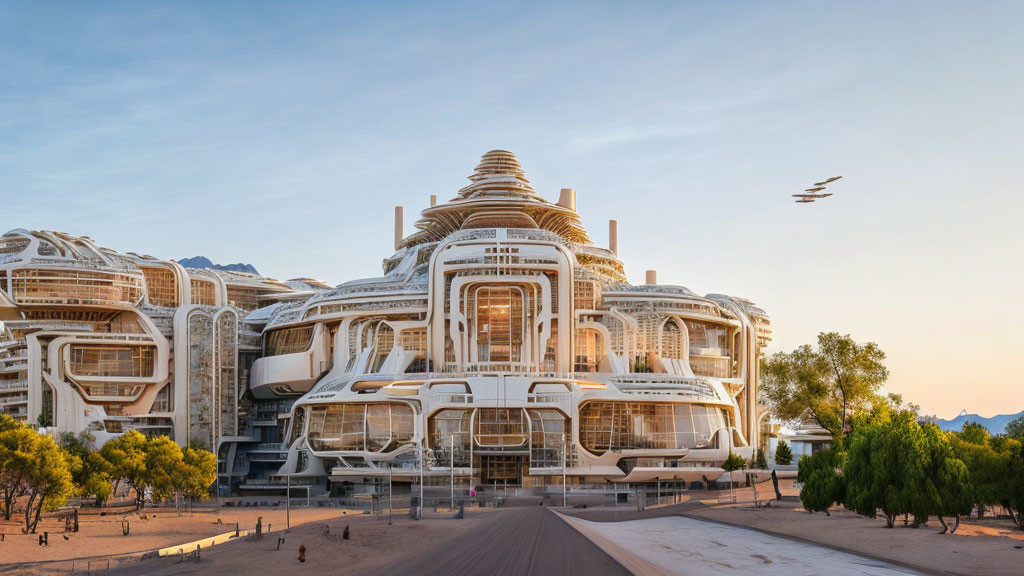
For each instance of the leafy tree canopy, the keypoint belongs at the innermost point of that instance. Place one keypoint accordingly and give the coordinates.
(1015, 429)
(837, 379)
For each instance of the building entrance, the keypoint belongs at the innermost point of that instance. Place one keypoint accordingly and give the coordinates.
(501, 468)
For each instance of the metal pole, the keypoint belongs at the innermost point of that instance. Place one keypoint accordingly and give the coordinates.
(452, 454)
(391, 508)
(419, 511)
(288, 503)
(565, 494)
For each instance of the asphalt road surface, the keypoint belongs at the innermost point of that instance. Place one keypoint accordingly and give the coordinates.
(526, 541)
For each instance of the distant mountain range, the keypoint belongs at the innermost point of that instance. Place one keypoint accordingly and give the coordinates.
(995, 424)
(203, 263)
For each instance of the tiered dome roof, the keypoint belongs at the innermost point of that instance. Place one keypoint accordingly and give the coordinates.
(499, 174)
(498, 196)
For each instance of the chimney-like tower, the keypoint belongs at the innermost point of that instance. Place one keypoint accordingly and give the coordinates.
(433, 200)
(652, 277)
(398, 227)
(568, 199)
(613, 236)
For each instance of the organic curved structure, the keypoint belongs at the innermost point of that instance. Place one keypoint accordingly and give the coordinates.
(500, 344)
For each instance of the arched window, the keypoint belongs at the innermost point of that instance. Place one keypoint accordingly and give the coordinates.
(589, 350)
(672, 341)
(383, 342)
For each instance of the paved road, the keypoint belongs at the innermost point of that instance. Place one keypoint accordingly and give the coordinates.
(516, 541)
(691, 547)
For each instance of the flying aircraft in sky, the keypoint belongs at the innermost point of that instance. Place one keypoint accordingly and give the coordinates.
(814, 191)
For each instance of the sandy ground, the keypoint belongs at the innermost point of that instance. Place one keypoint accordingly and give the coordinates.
(100, 536)
(372, 545)
(989, 547)
(690, 547)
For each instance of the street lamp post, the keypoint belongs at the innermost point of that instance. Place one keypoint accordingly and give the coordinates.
(452, 464)
(419, 510)
(565, 495)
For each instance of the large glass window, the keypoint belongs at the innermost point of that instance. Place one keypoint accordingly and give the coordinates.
(374, 427)
(289, 340)
(606, 425)
(548, 438)
(32, 286)
(415, 341)
(500, 427)
(710, 353)
(112, 361)
(161, 286)
(589, 350)
(449, 437)
(204, 292)
(499, 324)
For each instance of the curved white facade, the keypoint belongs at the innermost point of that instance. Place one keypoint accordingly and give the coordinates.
(500, 342)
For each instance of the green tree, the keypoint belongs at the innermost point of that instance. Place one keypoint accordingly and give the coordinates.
(974, 433)
(760, 460)
(164, 467)
(199, 473)
(836, 380)
(783, 455)
(988, 469)
(17, 442)
(822, 483)
(732, 463)
(89, 470)
(1015, 429)
(127, 457)
(161, 465)
(48, 479)
(946, 484)
(884, 466)
(1015, 483)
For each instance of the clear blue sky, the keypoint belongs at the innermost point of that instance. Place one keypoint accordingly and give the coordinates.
(283, 134)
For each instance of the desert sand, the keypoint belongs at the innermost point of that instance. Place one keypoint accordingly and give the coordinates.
(989, 547)
(100, 537)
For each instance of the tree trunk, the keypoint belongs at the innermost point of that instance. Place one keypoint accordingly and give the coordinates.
(956, 524)
(39, 510)
(981, 511)
(28, 514)
(1017, 516)
(890, 520)
(8, 503)
(943, 522)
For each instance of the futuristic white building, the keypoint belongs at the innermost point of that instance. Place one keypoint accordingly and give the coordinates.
(100, 342)
(502, 342)
(500, 345)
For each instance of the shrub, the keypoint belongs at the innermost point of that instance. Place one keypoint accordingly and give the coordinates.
(761, 462)
(783, 455)
(822, 482)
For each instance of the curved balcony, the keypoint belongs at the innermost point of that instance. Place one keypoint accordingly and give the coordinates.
(372, 427)
(294, 363)
(75, 287)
